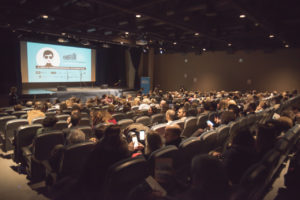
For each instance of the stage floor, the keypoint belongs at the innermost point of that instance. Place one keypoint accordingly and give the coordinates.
(81, 92)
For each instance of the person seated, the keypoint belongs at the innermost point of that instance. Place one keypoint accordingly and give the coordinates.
(170, 116)
(73, 123)
(36, 112)
(172, 135)
(75, 136)
(152, 110)
(209, 180)
(153, 142)
(18, 107)
(181, 114)
(240, 155)
(109, 150)
(145, 104)
(48, 125)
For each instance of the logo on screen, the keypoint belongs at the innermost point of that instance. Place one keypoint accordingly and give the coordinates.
(47, 57)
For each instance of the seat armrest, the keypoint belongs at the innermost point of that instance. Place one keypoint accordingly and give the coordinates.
(26, 151)
(51, 176)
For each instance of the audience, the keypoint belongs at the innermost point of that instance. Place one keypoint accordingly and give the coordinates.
(48, 125)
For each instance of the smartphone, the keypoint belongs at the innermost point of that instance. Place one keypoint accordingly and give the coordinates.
(135, 141)
(209, 123)
(142, 135)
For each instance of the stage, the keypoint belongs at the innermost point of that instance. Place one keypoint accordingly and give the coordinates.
(83, 93)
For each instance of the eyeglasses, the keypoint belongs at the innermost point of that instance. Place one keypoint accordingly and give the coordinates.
(48, 57)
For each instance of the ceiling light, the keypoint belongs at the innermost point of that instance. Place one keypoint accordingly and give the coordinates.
(122, 43)
(126, 33)
(271, 36)
(62, 40)
(45, 16)
(242, 16)
(174, 43)
(256, 24)
(286, 46)
(138, 16)
(63, 33)
(161, 51)
(229, 44)
(196, 34)
(203, 49)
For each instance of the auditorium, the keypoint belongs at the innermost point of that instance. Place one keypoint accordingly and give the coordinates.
(153, 100)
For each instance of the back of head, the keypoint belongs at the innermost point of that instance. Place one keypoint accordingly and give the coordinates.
(76, 136)
(75, 118)
(227, 117)
(153, 142)
(38, 106)
(17, 107)
(244, 138)
(49, 121)
(170, 114)
(209, 176)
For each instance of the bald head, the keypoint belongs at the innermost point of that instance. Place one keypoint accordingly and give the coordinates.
(170, 115)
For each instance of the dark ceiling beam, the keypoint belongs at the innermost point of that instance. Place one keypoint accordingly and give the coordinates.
(263, 23)
(113, 14)
(155, 18)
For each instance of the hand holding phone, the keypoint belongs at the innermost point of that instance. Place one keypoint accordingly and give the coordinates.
(135, 141)
(142, 135)
(209, 123)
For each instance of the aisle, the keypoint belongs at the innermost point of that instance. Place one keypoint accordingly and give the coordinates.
(14, 186)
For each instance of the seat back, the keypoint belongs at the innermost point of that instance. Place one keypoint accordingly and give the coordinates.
(18, 113)
(223, 134)
(159, 128)
(119, 116)
(60, 125)
(74, 158)
(143, 120)
(190, 126)
(84, 114)
(190, 148)
(44, 143)
(24, 137)
(210, 141)
(63, 117)
(124, 123)
(123, 176)
(169, 151)
(38, 120)
(87, 130)
(2, 114)
(157, 119)
(84, 122)
(3, 121)
(13, 125)
(201, 120)
(50, 114)
(129, 115)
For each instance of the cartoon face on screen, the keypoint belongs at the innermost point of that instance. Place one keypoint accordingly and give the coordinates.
(47, 57)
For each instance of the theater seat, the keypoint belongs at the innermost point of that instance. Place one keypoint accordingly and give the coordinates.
(88, 131)
(201, 121)
(18, 113)
(119, 116)
(24, 137)
(123, 176)
(63, 117)
(159, 128)
(157, 119)
(143, 120)
(124, 123)
(60, 125)
(9, 133)
(41, 151)
(190, 126)
(169, 151)
(38, 120)
(84, 122)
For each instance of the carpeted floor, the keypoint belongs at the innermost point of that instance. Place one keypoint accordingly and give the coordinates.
(14, 186)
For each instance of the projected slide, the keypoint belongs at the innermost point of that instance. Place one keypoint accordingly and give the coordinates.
(57, 63)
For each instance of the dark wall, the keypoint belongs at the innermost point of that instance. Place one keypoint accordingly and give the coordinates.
(10, 61)
(242, 70)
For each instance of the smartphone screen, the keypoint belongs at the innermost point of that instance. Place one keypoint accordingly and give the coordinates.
(135, 141)
(142, 135)
(209, 123)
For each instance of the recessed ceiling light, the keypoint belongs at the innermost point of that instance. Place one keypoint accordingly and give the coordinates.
(63, 33)
(256, 24)
(286, 46)
(242, 16)
(174, 43)
(45, 16)
(229, 44)
(138, 16)
(126, 33)
(271, 36)
(203, 49)
(196, 34)
(122, 43)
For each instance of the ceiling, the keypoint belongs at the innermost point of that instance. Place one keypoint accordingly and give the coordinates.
(167, 25)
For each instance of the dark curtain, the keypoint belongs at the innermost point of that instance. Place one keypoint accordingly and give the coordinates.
(110, 66)
(135, 54)
(10, 62)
